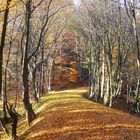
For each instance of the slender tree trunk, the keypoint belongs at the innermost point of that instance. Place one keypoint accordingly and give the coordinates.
(106, 97)
(17, 80)
(34, 85)
(103, 78)
(30, 115)
(91, 76)
(5, 94)
(2, 43)
(43, 72)
(4, 102)
(5, 84)
(50, 74)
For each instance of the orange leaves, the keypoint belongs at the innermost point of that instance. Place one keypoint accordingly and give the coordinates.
(68, 116)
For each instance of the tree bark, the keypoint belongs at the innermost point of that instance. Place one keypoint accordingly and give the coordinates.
(2, 43)
(30, 114)
(14, 116)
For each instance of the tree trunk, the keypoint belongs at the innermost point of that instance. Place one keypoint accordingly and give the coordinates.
(2, 122)
(34, 85)
(103, 79)
(42, 70)
(106, 97)
(14, 116)
(2, 43)
(30, 114)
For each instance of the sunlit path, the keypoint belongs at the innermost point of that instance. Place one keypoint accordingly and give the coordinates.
(68, 115)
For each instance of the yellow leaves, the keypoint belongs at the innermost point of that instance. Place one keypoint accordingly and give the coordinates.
(2, 5)
(12, 4)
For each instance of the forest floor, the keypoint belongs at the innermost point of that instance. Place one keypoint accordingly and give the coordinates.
(69, 115)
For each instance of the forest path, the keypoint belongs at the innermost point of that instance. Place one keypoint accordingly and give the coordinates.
(68, 115)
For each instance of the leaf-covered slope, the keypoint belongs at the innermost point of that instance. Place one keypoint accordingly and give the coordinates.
(70, 116)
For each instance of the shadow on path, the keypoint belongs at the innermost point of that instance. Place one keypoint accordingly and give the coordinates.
(68, 115)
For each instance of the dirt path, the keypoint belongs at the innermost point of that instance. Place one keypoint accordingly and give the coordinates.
(68, 115)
